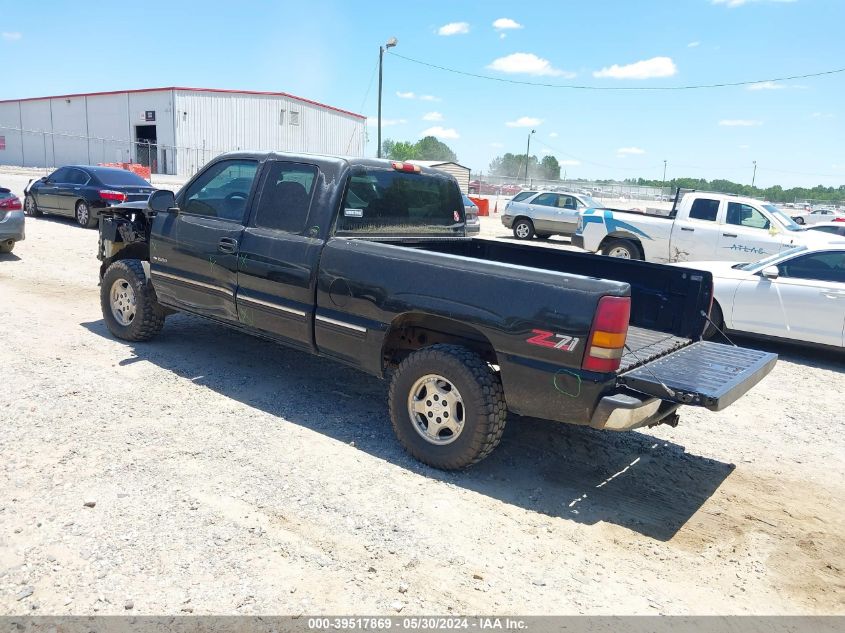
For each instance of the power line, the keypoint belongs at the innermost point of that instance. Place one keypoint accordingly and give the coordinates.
(583, 87)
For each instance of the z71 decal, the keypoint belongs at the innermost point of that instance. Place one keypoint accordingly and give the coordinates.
(555, 341)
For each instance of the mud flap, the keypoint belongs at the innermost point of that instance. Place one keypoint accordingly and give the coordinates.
(704, 374)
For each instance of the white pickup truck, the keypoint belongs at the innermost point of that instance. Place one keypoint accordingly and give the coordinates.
(702, 226)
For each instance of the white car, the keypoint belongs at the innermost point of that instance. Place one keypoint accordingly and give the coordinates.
(823, 214)
(796, 295)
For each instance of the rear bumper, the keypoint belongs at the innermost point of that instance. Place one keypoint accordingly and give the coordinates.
(507, 220)
(12, 226)
(623, 412)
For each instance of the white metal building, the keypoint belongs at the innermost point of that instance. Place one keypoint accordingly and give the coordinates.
(460, 172)
(172, 130)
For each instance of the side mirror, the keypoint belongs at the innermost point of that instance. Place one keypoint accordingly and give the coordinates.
(161, 201)
(770, 272)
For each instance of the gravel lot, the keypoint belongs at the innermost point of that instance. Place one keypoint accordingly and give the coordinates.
(211, 472)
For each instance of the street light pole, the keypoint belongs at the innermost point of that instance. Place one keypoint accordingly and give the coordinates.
(390, 44)
(527, 152)
(664, 173)
(754, 176)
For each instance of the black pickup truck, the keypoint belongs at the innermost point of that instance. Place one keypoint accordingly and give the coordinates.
(367, 262)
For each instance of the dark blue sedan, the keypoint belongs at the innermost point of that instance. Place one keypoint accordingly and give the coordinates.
(81, 191)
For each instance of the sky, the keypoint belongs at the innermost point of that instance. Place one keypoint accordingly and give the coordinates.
(327, 50)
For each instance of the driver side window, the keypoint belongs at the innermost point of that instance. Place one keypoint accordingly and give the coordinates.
(221, 191)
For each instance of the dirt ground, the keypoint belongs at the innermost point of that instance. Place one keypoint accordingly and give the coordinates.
(227, 475)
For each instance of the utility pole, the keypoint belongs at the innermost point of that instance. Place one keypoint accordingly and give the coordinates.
(664, 173)
(527, 152)
(754, 176)
(390, 44)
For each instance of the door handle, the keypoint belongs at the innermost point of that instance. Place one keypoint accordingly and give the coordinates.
(729, 234)
(833, 294)
(227, 245)
(684, 228)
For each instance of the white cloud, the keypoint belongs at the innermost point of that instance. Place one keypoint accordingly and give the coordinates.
(11, 36)
(495, 144)
(732, 4)
(454, 28)
(524, 121)
(645, 69)
(503, 24)
(766, 85)
(569, 163)
(441, 132)
(528, 64)
(694, 44)
(429, 98)
(432, 116)
(373, 121)
(406, 95)
(622, 152)
(552, 134)
(740, 123)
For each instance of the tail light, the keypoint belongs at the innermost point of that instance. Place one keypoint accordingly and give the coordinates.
(607, 336)
(11, 204)
(407, 167)
(114, 196)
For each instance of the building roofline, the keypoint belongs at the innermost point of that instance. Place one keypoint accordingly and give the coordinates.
(186, 89)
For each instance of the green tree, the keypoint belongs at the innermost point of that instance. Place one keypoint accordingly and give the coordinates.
(429, 148)
(398, 150)
(550, 168)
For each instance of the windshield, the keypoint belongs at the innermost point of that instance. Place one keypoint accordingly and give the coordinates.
(788, 223)
(392, 203)
(120, 178)
(762, 263)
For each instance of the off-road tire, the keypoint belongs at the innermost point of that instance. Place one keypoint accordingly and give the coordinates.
(90, 220)
(149, 314)
(526, 235)
(482, 395)
(30, 207)
(620, 244)
(7, 246)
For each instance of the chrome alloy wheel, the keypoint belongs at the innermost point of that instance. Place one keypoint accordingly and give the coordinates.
(436, 409)
(122, 301)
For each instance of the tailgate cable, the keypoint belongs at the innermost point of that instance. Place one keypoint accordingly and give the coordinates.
(645, 366)
(718, 329)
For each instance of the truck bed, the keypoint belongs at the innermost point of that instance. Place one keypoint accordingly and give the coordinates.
(645, 345)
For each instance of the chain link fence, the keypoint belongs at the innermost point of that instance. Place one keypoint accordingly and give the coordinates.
(48, 150)
(598, 189)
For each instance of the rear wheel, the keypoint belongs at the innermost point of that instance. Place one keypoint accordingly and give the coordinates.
(623, 249)
(799, 220)
(128, 301)
(523, 229)
(30, 208)
(7, 246)
(447, 406)
(84, 216)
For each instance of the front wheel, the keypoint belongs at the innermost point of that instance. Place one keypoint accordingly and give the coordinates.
(30, 208)
(7, 246)
(447, 406)
(716, 324)
(84, 216)
(623, 249)
(523, 229)
(129, 304)
(799, 220)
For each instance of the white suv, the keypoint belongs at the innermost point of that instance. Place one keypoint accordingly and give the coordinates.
(545, 213)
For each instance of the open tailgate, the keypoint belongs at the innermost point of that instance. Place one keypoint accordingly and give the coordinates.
(705, 374)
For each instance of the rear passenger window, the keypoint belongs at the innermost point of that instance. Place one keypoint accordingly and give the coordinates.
(704, 209)
(286, 197)
(546, 199)
(522, 196)
(77, 177)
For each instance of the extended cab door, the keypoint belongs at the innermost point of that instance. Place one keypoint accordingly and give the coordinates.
(695, 232)
(194, 253)
(279, 255)
(746, 234)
